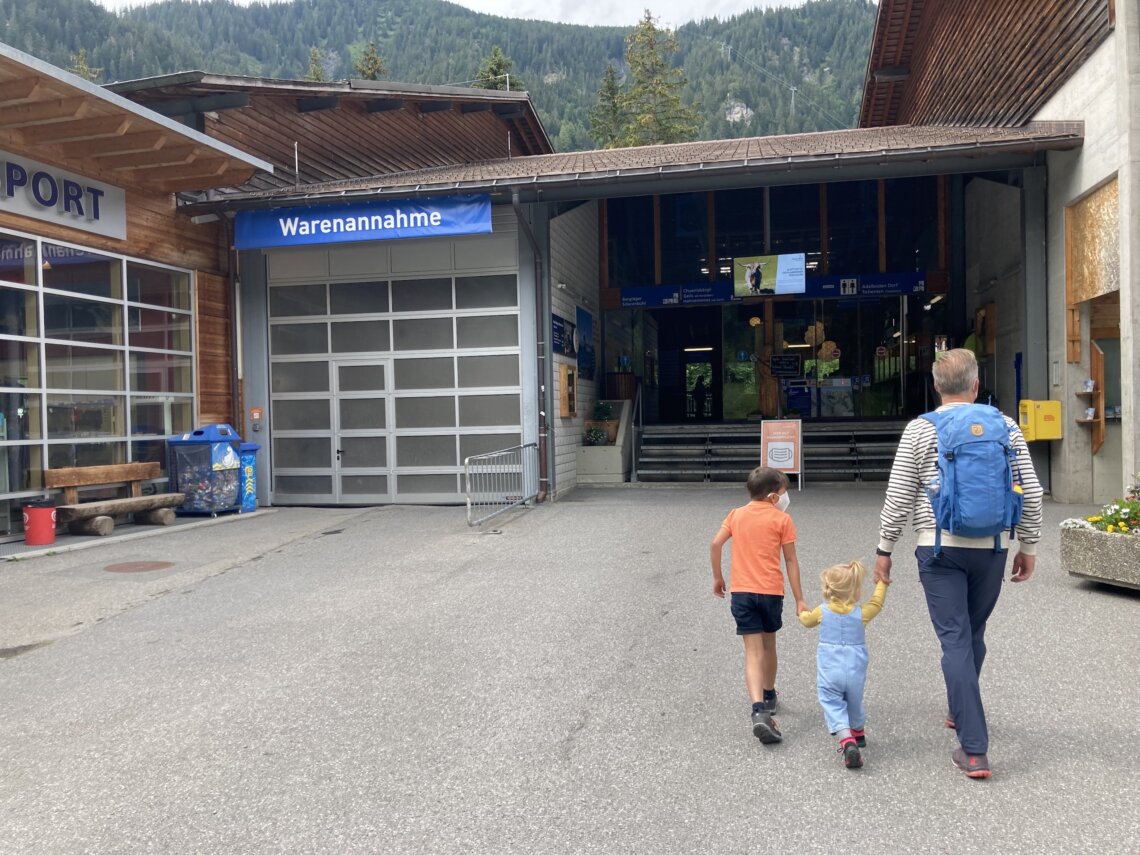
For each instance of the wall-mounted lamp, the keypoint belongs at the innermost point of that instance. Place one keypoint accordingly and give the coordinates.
(561, 286)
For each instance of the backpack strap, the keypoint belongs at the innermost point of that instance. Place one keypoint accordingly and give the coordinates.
(935, 418)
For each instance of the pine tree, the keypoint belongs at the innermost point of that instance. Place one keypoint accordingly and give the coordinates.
(495, 72)
(370, 65)
(653, 100)
(316, 66)
(80, 67)
(607, 117)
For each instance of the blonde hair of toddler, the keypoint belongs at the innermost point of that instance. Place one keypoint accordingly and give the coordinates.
(843, 582)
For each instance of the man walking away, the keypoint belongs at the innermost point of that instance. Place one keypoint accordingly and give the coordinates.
(965, 483)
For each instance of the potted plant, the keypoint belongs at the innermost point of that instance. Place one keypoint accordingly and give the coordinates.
(603, 421)
(1106, 545)
(595, 436)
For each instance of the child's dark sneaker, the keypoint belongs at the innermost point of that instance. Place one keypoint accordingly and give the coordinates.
(974, 765)
(860, 737)
(852, 759)
(764, 727)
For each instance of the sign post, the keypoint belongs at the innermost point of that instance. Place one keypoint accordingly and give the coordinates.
(781, 447)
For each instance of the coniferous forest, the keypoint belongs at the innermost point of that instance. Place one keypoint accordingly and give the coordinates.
(782, 70)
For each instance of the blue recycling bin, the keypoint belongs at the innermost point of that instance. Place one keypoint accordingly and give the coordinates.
(249, 476)
(205, 466)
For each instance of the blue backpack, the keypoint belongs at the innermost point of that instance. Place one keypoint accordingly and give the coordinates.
(976, 494)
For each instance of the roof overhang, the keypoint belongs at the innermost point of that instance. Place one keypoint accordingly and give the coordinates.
(689, 167)
(61, 118)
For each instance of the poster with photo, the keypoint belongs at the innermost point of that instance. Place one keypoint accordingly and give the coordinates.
(585, 332)
(564, 337)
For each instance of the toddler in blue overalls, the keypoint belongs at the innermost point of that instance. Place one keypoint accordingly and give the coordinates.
(841, 659)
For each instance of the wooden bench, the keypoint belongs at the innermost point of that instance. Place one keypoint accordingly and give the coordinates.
(97, 516)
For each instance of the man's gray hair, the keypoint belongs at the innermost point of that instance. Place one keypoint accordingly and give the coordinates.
(955, 371)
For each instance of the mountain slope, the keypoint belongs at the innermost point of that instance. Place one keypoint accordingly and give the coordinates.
(742, 71)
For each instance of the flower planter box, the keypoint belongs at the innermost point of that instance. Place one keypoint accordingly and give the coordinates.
(1103, 557)
(610, 426)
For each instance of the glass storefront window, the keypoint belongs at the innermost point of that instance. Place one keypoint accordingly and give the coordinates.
(912, 224)
(19, 314)
(17, 260)
(62, 456)
(159, 330)
(20, 416)
(158, 286)
(286, 301)
(684, 238)
(19, 364)
(70, 367)
(795, 222)
(853, 227)
(161, 416)
(161, 372)
(629, 241)
(739, 227)
(75, 414)
(82, 272)
(72, 416)
(76, 319)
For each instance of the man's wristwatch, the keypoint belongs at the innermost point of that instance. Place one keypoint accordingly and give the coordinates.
(882, 552)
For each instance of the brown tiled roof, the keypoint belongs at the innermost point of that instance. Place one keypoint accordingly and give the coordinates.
(975, 62)
(753, 156)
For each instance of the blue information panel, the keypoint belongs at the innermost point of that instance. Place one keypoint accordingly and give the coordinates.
(386, 219)
(823, 287)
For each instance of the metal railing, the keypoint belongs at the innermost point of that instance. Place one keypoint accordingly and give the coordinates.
(638, 432)
(500, 480)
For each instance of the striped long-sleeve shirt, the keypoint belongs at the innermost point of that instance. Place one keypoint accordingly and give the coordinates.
(916, 464)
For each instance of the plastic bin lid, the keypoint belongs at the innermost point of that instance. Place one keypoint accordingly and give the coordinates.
(40, 503)
(209, 433)
(249, 446)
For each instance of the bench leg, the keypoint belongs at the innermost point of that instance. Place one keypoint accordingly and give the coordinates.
(99, 526)
(158, 516)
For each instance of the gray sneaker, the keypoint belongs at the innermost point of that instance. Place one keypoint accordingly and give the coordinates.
(974, 765)
(764, 727)
(771, 704)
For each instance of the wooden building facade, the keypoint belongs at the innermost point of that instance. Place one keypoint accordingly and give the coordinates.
(116, 322)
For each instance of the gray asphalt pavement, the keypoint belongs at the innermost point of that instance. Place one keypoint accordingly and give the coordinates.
(389, 681)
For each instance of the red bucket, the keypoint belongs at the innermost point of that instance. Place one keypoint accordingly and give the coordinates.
(39, 524)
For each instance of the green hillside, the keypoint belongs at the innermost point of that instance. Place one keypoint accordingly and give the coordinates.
(741, 72)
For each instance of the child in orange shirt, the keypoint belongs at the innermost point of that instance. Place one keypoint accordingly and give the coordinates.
(760, 531)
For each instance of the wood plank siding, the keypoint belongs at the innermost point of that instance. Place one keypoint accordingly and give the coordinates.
(357, 143)
(975, 62)
(215, 351)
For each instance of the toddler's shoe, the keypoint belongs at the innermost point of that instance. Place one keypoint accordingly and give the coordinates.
(764, 727)
(860, 737)
(852, 759)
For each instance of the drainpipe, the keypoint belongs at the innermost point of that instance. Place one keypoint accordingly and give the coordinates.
(540, 345)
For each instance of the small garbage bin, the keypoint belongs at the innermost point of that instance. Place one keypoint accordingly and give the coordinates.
(39, 523)
(249, 476)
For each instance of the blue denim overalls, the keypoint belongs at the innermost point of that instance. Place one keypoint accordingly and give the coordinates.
(841, 668)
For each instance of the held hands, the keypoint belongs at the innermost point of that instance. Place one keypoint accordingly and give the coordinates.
(883, 569)
(801, 607)
(1022, 567)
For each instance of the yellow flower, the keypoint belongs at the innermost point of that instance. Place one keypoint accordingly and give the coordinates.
(1110, 528)
(1095, 519)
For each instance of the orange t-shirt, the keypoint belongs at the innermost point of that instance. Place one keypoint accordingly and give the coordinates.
(759, 531)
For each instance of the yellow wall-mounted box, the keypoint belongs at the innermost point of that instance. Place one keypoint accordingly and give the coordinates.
(1040, 420)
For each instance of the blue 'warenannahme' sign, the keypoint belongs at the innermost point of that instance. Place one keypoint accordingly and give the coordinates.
(386, 219)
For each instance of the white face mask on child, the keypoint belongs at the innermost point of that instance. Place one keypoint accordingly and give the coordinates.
(783, 502)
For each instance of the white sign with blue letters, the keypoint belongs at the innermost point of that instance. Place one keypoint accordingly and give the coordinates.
(385, 219)
(42, 192)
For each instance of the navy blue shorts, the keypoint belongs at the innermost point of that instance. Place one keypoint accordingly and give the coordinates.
(757, 613)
